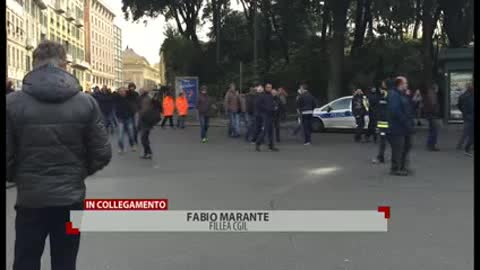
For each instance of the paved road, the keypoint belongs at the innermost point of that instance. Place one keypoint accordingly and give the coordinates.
(431, 227)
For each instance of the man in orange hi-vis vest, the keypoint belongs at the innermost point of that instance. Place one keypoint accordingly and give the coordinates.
(168, 106)
(181, 103)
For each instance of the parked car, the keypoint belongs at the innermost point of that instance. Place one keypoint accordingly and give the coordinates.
(335, 115)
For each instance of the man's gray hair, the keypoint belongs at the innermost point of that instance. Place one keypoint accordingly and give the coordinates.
(49, 52)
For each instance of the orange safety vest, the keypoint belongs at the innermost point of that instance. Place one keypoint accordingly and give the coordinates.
(182, 106)
(168, 106)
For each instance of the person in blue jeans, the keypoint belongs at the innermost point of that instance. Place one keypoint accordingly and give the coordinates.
(126, 122)
(205, 110)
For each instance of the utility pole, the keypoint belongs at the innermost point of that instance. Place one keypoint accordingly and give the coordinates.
(255, 49)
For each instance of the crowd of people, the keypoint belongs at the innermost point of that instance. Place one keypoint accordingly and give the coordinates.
(131, 114)
(261, 110)
(393, 111)
(256, 115)
(57, 135)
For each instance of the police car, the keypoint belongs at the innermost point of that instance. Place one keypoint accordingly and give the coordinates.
(335, 115)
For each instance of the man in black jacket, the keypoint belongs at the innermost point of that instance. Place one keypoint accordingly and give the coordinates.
(381, 118)
(306, 103)
(250, 113)
(105, 102)
(359, 110)
(265, 106)
(373, 97)
(133, 100)
(467, 107)
(401, 118)
(55, 138)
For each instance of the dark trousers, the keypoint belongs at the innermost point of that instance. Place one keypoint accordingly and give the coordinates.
(145, 139)
(307, 127)
(432, 132)
(267, 124)
(181, 121)
(258, 127)
(401, 146)
(204, 122)
(32, 226)
(469, 133)
(135, 127)
(383, 145)
(250, 119)
(170, 121)
(372, 128)
(463, 137)
(276, 127)
(110, 123)
(359, 131)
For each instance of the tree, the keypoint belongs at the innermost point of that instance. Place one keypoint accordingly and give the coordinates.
(458, 21)
(428, 28)
(184, 12)
(339, 10)
(362, 17)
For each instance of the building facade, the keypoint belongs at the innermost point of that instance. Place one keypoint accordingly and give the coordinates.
(99, 42)
(65, 25)
(36, 25)
(117, 33)
(16, 38)
(31, 21)
(136, 69)
(84, 27)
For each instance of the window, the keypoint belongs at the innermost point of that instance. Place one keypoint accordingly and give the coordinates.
(9, 53)
(342, 104)
(15, 59)
(28, 62)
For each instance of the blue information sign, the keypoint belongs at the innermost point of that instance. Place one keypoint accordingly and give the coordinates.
(188, 85)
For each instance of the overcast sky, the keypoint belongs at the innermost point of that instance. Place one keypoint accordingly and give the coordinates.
(144, 39)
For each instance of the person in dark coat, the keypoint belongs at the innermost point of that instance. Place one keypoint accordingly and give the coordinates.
(106, 103)
(265, 107)
(55, 138)
(306, 103)
(277, 114)
(432, 114)
(259, 90)
(125, 115)
(381, 116)
(373, 97)
(205, 107)
(133, 101)
(359, 110)
(148, 118)
(467, 107)
(401, 117)
(250, 114)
